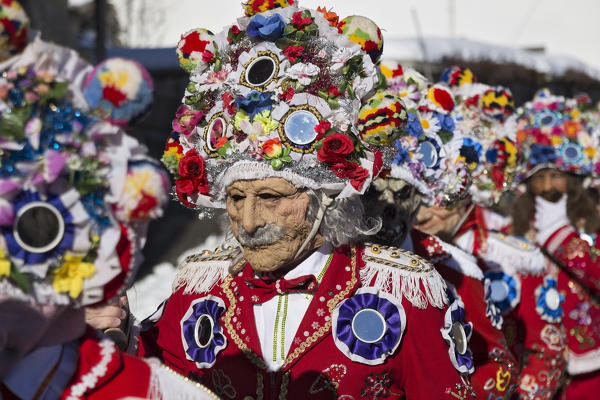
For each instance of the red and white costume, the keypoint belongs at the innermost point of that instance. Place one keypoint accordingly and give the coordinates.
(323, 356)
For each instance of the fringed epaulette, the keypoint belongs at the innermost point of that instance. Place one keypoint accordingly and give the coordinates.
(512, 255)
(403, 274)
(200, 272)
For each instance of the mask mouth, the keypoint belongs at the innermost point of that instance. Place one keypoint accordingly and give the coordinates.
(552, 195)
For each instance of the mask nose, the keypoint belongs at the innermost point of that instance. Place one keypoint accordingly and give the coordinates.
(250, 218)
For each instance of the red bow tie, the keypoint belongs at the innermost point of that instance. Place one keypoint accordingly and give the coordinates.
(262, 290)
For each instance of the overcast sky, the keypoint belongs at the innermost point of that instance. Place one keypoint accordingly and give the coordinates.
(562, 27)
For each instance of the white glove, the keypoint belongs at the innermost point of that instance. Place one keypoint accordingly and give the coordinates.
(549, 217)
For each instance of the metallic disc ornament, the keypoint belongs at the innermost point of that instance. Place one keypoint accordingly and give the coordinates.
(201, 333)
(38, 227)
(368, 326)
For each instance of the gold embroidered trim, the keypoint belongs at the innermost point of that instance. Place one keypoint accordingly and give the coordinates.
(255, 359)
(285, 308)
(285, 380)
(275, 329)
(188, 380)
(331, 305)
(217, 255)
(414, 267)
(417, 263)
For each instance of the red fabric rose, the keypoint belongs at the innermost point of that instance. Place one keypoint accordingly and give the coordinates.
(336, 147)
(299, 21)
(333, 90)
(185, 187)
(228, 103)
(293, 52)
(350, 170)
(235, 30)
(287, 95)
(358, 176)
(321, 129)
(191, 165)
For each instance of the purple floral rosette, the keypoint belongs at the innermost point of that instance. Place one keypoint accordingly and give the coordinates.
(23, 252)
(456, 332)
(201, 333)
(368, 326)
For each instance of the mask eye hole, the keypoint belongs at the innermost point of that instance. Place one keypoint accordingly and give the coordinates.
(38, 227)
(260, 71)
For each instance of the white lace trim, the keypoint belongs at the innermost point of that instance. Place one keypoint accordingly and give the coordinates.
(403, 274)
(89, 380)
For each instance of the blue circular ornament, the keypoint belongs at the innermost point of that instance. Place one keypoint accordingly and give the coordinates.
(549, 301)
(368, 326)
(201, 333)
(502, 290)
(546, 118)
(429, 153)
(300, 127)
(571, 153)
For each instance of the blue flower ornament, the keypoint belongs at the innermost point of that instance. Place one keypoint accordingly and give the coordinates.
(266, 28)
(457, 333)
(548, 301)
(502, 294)
(368, 326)
(201, 333)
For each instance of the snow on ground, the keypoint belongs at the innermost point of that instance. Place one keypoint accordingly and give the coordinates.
(147, 293)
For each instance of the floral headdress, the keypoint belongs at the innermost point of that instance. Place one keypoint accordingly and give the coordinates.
(552, 133)
(427, 152)
(76, 194)
(14, 28)
(275, 95)
(120, 90)
(481, 113)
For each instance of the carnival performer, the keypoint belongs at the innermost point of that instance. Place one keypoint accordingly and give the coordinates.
(294, 307)
(559, 142)
(72, 227)
(434, 136)
(118, 90)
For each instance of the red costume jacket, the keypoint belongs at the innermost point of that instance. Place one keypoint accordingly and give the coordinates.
(496, 374)
(515, 291)
(104, 372)
(207, 332)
